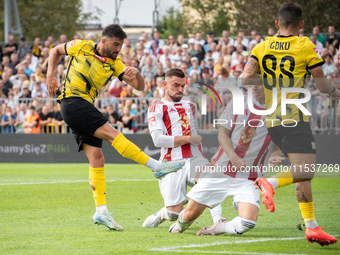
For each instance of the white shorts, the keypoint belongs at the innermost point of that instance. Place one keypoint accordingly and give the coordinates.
(173, 186)
(213, 191)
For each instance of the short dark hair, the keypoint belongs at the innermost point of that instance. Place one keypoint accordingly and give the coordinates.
(290, 15)
(114, 30)
(175, 72)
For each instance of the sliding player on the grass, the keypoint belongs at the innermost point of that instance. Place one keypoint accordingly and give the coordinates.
(240, 146)
(90, 68)
(284, 62)
(172, 127)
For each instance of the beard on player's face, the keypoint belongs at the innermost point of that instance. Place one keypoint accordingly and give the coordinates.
(110, 53)
(175, 97)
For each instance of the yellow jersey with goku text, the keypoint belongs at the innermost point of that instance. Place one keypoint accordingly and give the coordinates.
(284, 62)
(87, 71)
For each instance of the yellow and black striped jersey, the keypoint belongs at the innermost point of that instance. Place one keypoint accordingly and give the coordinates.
(284, 62)
(87, 71)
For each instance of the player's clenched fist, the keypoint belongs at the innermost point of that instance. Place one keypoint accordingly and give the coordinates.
(195, 139)
(130, 71)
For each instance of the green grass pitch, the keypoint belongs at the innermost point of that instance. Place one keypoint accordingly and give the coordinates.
(48, 209)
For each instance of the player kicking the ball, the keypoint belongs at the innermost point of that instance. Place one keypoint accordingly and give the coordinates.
(284, 62)
(90, 68)
(172, 127)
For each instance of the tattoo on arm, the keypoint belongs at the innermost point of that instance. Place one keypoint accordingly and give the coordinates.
(252, 67)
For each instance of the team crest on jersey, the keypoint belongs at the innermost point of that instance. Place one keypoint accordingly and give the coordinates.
(107, 66)
(185, 122)
(249, 135)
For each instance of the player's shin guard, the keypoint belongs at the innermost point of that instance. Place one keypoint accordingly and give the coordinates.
(97, 184)
(129, 150)
(169, 215)
(239, 225)
(307, 211)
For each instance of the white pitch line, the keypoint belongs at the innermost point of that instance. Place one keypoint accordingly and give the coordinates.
(231, 252)
(79, 181)
(226, 242)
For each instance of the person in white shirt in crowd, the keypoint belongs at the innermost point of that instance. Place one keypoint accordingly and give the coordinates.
(253, 42)
(318, 44)
(215, 53)
(225, 40)
(39, 91)
(149, 70)
(21, 117)
(178, 57)
(199, 39)
(166, 54)
(146, 53)
(147, 42)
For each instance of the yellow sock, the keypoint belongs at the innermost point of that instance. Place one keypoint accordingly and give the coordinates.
(283, 179)
(129, 150)
(97, 184)
(307, 211)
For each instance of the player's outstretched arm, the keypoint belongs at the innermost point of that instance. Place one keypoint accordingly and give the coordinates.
(224, 138)
(250, 75)
(134, 78)
(323, 84)
(53, 59)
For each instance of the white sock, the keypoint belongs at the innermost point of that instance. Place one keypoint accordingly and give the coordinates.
(238, 226)
(311, 224)
(216, 213)
(273, 182)
(168, 215)
(102, 209)
(153, 164)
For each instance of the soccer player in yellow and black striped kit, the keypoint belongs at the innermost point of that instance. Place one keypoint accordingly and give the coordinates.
(90, 68)
(284, 61)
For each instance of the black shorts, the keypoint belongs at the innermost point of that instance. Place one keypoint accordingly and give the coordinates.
(84, 119)
(298, 139)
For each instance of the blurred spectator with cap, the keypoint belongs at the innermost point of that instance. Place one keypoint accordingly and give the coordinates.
(185, 48)
(195, 68)
(90, 36)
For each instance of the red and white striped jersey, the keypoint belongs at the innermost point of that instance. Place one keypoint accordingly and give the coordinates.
(175, 119)
(250, 141)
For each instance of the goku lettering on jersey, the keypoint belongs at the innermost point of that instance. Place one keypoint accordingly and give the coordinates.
(284, 62)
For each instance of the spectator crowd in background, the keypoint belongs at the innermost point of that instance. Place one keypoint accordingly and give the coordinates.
(26, 108)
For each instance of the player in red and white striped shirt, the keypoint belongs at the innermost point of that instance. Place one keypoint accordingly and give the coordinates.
(172, 127)
(245, 146)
